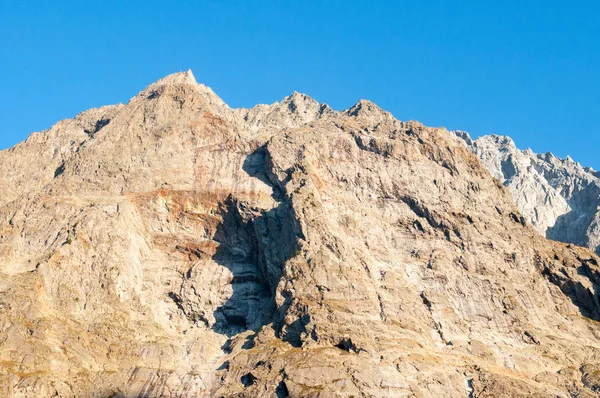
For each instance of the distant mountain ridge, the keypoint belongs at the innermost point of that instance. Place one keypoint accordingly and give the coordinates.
(559, 197)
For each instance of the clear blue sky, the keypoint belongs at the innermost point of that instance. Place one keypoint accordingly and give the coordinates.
(529, 69)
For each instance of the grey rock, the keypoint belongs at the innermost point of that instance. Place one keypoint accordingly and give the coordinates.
(559, 197)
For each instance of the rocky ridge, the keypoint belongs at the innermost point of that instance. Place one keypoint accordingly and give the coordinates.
(175, 247)
(559, 197)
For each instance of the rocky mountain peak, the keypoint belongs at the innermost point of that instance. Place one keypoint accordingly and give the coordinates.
(301, 104)
(365, 109)
(182, 77)
(176, 79)
(293, 111)
(297, 97)
(182, 85)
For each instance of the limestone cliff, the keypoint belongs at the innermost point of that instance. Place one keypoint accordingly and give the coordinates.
(175, 247)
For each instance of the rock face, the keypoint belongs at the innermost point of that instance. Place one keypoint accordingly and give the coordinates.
(559, 197)
(175, 247)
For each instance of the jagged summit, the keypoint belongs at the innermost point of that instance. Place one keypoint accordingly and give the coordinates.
(506, 142)
(182, 84)
(367, 109)
(296, 96)
(186, 77)
(306, 107)
(292, 111)
(175, 79)
(299, 102)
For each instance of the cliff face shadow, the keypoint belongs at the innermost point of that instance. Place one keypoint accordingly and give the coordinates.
(250, 305)
(573, 226)
(254, 245)
(581, 296)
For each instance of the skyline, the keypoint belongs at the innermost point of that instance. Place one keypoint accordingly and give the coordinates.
(528, 71)
(316, 99)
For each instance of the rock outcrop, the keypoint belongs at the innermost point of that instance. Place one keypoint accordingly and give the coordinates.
(559, 197)
(175, 247)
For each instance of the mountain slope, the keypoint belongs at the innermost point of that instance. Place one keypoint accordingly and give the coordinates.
(184, 248)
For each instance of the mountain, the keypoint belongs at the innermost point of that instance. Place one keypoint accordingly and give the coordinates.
(176, 247)
(559, 197)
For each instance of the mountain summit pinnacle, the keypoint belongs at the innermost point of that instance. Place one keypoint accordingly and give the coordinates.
(175, 79)
(187, 82)
(186, 77)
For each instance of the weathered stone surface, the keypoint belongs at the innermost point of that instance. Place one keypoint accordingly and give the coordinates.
(174, 247)
(559, 197)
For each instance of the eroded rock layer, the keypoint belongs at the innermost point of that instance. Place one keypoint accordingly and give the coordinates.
(175, 247)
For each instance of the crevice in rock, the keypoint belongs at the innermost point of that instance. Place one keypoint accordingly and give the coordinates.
(585, 299)
(100, 124)
(282, 390)
(226, 347)
(382, 315)
(519, 219)
(347, 345)
(248, 380)
(371, 144)
(59, 170)
(291, 332)
(470, 388)
(249, 343)
(192, 316)
(426, 301)
(590, 377)
(530, 338)
(436, 325)
(421, 211)
(224, 366)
